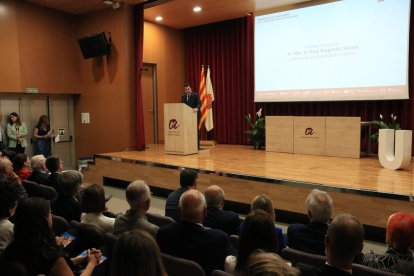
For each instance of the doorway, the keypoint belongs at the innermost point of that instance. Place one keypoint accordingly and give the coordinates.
(149, 98)
(30, 107)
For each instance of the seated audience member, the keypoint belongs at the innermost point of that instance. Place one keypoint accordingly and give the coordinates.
(21, 165)
(136, 253)
(7, 174)
(55, 167)
(93, 207)
(138, 196)
(34, 244)
(9, 154)
(344, 241)
(262, 263)
(310, 238)
(188, 238)
(39, 173)
(258, 232)
(400, 242)
(66, 204)
(217, 218)
(9, 195)
(188, 180)
(264, 202)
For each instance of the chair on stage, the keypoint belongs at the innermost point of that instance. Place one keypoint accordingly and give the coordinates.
(159, 220)
(297, 256)
(175, 266)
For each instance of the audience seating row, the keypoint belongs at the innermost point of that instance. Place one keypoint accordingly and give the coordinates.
(300, 257)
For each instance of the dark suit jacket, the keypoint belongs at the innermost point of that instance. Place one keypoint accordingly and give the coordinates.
(171, 205)
(226, 221)
(207, 247)
(67, 207)
(52, 180)
(325, 270)
(308, 238)
(193, 100)
(39, 177)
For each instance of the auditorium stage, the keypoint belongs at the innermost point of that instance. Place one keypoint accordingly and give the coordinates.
(358, 186)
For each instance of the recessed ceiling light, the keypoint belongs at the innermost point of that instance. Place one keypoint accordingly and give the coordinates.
(158, 18)
(197, 9)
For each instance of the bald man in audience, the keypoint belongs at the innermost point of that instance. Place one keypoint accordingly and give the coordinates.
(310, 238)
(344, 241)
(188, 238)
(138, 195)
(217, 218)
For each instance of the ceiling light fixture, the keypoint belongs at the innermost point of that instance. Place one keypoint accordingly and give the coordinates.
(197, 9)
(158, 18)
(108, 2)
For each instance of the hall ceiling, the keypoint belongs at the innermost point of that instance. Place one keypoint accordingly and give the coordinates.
(177, 14)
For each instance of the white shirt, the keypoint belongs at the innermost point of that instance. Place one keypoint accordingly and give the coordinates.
(6, 234)
(230, 264)
(104, 223)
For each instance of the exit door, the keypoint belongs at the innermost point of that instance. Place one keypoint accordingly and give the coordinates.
(61, 121)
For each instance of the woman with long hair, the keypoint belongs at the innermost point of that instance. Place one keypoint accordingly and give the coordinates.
(258, 232)
(16, 132)
(43, 135)
(136, 254)
(264, 202)
(34, 244)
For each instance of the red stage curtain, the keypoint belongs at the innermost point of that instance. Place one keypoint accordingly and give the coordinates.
(228, 48)
(139, 49)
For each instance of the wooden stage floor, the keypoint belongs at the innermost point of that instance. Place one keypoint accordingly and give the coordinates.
(365, 174)
(358, 186)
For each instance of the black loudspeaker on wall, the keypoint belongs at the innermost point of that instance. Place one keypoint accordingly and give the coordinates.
(95, 45)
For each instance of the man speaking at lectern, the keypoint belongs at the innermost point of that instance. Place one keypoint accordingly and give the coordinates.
(192, 100)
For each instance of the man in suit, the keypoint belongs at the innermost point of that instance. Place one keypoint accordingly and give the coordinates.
(192, 100)
(55, 167)
(344, 241)
(138, 195)
(310, 238)
(188, 180)
(217, 218)
(39, 173)
(188, 239)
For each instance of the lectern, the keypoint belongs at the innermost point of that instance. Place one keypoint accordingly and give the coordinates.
(180, 129)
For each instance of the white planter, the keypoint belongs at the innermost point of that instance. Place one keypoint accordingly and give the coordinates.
(394, 148)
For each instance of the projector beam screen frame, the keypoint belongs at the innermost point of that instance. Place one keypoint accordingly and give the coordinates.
(333, 51)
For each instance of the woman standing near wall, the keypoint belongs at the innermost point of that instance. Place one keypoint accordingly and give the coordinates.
(44, 136)
(16, 132)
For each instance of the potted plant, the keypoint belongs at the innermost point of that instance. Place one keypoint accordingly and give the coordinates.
(381, 124)
(257, 129)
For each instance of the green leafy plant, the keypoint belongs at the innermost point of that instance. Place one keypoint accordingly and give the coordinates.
(257, 129)
(381, 124)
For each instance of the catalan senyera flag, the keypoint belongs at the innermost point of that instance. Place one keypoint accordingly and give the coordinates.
(203, 98)
(210, 98)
